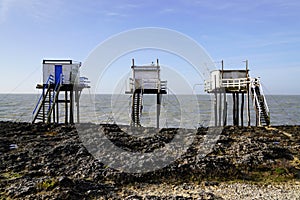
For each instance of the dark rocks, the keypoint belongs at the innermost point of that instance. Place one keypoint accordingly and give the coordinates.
(49, 161)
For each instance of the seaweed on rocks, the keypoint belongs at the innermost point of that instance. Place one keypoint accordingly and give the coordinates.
(41, 161)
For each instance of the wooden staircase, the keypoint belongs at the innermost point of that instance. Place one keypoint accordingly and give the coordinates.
(260, 104)
(47, 101)
(137, 107)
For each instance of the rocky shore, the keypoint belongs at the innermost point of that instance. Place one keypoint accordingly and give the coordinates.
(39, 161)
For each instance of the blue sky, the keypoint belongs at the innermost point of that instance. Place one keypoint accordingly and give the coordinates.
(266, 32)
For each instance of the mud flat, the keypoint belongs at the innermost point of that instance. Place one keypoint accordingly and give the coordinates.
(39, 161)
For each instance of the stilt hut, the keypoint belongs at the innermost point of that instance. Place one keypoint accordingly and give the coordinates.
(238, 84)
(145, 80)
(59, 77)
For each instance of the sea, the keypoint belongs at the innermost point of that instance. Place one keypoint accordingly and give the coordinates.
(186, 111)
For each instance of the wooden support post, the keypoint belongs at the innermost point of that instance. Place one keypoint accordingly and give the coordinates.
(43, 102)
(248, 95)
(224, 109)
(57, 110)
(53, 112)
(248, 105)
(216, 103)
(71, 107)
(49, 119)
(257, 117)
(77, 104)
(234, 108)
(237, 108)
(220, 108)
(242, 110)
(158, 99)
(66, 107)
(216, 109)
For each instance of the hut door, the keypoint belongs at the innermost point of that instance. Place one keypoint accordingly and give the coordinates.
(58, 72)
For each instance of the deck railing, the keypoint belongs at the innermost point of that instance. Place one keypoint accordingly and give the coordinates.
(232, 83)
(147, 84)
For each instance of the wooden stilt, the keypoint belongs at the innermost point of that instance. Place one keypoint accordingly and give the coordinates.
(49, 119)
(242, 110)
(77, 104)
(158, 99)
(216, 108)
(66, 107)
(53, 113)
(233, 108)
(57, 111)
(248, 104)
(224, 109)
(43, 107)
(248, 94)
(237, 108)
(220, 108)
(71, 107)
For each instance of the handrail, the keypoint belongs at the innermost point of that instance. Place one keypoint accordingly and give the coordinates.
(258, 106)
(265, 101)
(61, 79)
(49, 80)
(54, 96)
(84, 81)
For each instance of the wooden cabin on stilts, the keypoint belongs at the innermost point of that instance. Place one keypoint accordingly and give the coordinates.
(241, 87)
(145, 80)
(62, 85)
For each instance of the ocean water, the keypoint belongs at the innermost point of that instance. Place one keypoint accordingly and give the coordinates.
(188, 111)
